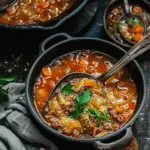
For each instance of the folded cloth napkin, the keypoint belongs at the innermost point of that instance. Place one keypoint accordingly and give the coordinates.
(17, 131)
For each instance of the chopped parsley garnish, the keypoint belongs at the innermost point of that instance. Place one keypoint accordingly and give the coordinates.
(81, 100)
(4, 93)
(67, 89)
(132, 21)
(96, 114)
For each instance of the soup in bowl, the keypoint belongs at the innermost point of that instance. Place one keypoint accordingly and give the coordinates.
(105, 112)
(84, 108)
(133, 30)
(29, 12)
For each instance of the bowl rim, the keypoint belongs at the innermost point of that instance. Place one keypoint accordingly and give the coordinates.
(105, 22)
(36, 116)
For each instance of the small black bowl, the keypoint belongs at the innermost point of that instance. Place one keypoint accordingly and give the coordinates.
(114, 3)
(66, 44)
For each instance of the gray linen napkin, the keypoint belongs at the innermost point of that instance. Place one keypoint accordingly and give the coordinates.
(17, 131)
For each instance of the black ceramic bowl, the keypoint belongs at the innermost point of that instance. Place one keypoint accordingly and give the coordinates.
(66, 44)
(51, 24)
(114, 3)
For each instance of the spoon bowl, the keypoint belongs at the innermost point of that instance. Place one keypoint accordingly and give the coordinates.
(67, 78)
(126, 18)
(4, 4)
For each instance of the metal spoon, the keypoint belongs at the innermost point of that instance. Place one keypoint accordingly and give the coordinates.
(4, 4)
(134, 52)
(126, 17)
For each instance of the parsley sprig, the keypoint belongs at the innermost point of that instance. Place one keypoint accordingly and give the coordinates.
(81, 100)
(132, 21)
(3, 95)
(67, 89)
(4, 80)
(95, 113)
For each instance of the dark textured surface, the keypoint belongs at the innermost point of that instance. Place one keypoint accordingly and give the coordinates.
(14, 62)
(142, 125)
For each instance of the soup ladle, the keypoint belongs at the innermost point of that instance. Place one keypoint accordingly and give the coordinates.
(127, 17)
(4, 4)
(134, 52)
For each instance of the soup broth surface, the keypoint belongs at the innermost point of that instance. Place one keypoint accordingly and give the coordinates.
(82, 107)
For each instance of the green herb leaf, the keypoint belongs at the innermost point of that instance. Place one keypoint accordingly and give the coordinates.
(93, 112)
(67, 89)
(82, 99)
(3, 95)
(74, 114)
(131, 21)
(77, 108)
(103, 116)
(7, 80)
(77, 111)
(79, 97)
(96, 114)
(85, 98)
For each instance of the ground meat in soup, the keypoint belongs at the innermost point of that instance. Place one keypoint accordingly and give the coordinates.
(82, 107)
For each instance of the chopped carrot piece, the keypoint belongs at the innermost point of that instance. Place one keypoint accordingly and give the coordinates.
(51, 84)
(131, 105)
(89, 82)
(44, 4)
(115, 10)
(139, 29)
(138, 37)
(137, 10)
(102, 68)
(46, 71)
(111, 80)
(83, 63)
(40, 10)
(118, 109)
(126, 117)
(42, 93)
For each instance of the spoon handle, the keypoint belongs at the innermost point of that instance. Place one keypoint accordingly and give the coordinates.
(127, 7)
(134, 52)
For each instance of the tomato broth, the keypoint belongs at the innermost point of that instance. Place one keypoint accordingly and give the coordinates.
(106, 107)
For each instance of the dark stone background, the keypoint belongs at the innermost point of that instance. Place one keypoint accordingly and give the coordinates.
(19, 49)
